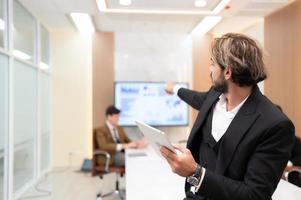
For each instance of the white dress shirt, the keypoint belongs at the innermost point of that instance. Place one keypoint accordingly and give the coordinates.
(221, 120)
(115, 137)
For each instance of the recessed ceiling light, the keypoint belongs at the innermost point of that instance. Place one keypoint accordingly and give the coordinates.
(200, 3)
(125, 2)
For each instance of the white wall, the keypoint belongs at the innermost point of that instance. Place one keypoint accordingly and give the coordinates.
(72, 97)
(150, 56)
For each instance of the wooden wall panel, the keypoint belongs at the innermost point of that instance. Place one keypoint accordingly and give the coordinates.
(201, 61)
(283, 59)
(103, 75)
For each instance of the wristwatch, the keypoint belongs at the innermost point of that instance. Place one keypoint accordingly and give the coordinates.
(195, 178)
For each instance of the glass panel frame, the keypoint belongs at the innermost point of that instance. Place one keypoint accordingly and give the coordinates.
(44, 49)
(12, 158)
(3, 27)
(45, 122)
(25, 123)
(24, 33)
(3, 122)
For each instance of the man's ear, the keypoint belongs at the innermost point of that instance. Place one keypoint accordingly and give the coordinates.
(227, 73)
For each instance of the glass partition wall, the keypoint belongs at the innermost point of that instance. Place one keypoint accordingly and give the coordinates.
(25, 99)
(3, 119)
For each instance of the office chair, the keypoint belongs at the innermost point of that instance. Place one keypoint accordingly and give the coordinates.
(293, 175)
(100, 170)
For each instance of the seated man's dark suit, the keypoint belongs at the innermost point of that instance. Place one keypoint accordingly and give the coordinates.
(106, 142)
(248, 161)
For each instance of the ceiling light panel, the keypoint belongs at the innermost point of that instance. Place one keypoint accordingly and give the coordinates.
(83, 22)
(206, 25)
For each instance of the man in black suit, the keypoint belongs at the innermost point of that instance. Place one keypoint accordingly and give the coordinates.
(240, 142)
(293, 168)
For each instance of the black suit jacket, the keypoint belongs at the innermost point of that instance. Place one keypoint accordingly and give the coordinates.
(254, 150)
(296, 152)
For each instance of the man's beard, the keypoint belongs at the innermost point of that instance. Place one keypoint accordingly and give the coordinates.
(221, 85)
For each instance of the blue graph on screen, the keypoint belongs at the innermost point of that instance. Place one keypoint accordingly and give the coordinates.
(149, 102)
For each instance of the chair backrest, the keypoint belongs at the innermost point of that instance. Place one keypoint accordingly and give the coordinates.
(94, 158)
(99, 170)
(94, 141)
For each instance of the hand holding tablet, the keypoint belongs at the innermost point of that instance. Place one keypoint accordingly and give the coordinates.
(155, 137)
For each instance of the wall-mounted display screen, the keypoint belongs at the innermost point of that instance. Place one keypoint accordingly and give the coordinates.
(148, 102)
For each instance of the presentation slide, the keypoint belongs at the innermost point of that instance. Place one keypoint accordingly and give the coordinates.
(148, 102)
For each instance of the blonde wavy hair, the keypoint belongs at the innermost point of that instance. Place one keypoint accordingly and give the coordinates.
(242, 55)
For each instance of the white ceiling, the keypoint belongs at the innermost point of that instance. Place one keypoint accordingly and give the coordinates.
(163, 5)
(54, 14)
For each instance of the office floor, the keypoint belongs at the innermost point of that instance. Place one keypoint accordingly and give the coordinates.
(69, 184)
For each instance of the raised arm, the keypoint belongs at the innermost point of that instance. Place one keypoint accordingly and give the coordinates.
(193, 98)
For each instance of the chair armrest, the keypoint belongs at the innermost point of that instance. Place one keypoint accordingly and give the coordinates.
(294, 168)
(290, 169)
(107, 155)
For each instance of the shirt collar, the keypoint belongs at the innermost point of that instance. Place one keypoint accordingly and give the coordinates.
(222, 103)
(111, 127)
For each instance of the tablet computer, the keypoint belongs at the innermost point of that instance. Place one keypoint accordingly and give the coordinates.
(155, 137)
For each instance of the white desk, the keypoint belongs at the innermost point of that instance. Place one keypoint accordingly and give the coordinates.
(287, 191)
(150, 178)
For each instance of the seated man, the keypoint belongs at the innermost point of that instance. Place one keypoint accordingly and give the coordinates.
(112, 138)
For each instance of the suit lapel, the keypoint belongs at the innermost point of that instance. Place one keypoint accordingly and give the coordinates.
(121, 134)
(203, 112)
(109, 134)
(243, 120)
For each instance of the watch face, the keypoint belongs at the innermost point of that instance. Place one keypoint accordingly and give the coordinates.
(193, 181)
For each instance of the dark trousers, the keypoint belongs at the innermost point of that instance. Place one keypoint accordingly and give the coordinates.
(119, 159)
